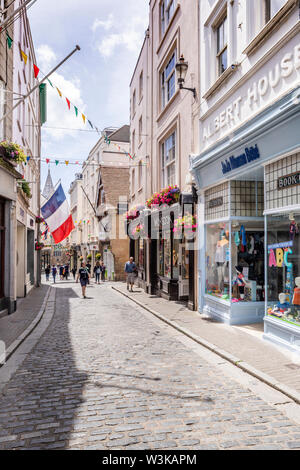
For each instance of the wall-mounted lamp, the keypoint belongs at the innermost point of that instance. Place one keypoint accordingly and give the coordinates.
(181, 71)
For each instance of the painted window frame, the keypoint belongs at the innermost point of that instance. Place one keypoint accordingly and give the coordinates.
(171, 163)
(221, 48)
(166, 91)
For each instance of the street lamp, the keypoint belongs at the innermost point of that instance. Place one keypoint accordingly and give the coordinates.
(181, 71)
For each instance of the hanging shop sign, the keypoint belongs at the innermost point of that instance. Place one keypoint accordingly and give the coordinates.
(217, 202)
(289, 180)
(232, 163)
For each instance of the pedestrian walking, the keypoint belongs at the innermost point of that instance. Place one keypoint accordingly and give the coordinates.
(73, 271)
(130, 270)
(83, 275)
(54, 272)
(97, 272)
(61, 272)
(47, 272)
(102, 269)
(66, 271)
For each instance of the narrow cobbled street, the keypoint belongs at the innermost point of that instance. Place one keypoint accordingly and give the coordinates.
(105, 375)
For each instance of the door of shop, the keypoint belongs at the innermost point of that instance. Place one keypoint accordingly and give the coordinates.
(183, 271)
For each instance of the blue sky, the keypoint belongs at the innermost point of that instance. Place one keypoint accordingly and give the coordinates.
(96, 79)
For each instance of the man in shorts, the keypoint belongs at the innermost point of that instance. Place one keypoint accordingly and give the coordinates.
(130, 270)
(83, 275)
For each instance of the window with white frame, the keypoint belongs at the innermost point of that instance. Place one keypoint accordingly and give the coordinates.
(140, 174)
(133, 103)
(167, 9)
(141, 84)
(133, 181)
(140, 129)
(272, 7)
(168, 82)
(133, 143)
(221, 32)
(168, 160)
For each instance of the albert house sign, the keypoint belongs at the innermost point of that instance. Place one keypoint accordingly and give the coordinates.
(289, 180)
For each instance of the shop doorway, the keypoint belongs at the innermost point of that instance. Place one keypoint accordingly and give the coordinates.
(183, 272)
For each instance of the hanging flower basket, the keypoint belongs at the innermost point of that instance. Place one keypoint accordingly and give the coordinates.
(134, 212)
(39, 246)
(12, 153)
(39, 220)
(26, 189)
(98, 256)
(80, 258)
(169, 195)
(89, 257)
(188, 223)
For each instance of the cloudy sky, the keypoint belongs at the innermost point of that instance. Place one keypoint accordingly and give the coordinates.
(96, 79)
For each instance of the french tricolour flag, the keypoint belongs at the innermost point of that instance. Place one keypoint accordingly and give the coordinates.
(57, 215)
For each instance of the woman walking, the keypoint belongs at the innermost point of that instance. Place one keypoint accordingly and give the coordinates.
(47, 272)
(102, 269)
(83, 275)
(97, 272)
(54, 272)
(73, 271)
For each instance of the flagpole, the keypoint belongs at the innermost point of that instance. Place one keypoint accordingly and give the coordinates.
(77, 48)
(7, 20)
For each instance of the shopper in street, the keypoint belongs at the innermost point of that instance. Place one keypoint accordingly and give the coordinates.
(73, 271)
(54, 272)
(97, 272)
(84, 276)
(47, 272)
(130, 270)
(61, 272)
(66, 271)
(102, 269)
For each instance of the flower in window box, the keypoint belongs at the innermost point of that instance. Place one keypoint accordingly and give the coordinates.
(11, 152)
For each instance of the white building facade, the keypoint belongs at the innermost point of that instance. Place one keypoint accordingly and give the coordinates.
(26, 133)
(246, 172)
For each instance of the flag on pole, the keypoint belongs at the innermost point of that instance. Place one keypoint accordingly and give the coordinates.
(57, 215)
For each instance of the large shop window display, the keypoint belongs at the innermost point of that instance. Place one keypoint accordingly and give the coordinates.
(241, 255)
(284, 267)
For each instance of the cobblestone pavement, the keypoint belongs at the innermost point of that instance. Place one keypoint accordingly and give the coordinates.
(104, 375)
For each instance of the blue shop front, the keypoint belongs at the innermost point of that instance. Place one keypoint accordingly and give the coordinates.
(249, 250)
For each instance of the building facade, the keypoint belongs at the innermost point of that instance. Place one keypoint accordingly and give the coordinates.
(76, 208)
(26, 132)
(164, 133)
(247, 168)
(8, 172)
(112, 197)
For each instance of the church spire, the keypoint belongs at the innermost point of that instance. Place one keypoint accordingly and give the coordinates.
(49, 188)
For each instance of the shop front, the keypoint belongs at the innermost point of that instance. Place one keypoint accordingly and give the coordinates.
(139, 235)
(244, 205)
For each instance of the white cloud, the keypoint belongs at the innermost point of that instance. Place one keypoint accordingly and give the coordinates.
(130, 37)
(105, 24)
(58, 113)
(46, 57)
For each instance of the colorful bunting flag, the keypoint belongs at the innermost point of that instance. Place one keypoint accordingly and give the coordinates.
(28, 158)
(91, 124)
(9, 40)
(47, 160)
(59, 92)
(69, 103)
(76, 110)
(56, 162)
(50, 82)
(83, 117)
(24, 56)
(67, 162)
(36, 70)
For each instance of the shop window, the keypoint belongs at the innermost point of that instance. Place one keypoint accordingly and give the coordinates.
(168, 83)
(247, 261)
(165, 257)
(281, 182)
(2, 246)
(216, 202)
(217, 261)
(175, 254)
(167, 9)
(141, 261)
(221, 32)
(283, 242)
(168, 155)
(247, 198)
(272, 7)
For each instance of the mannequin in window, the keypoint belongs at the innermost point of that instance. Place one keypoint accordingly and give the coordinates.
(241, 281)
